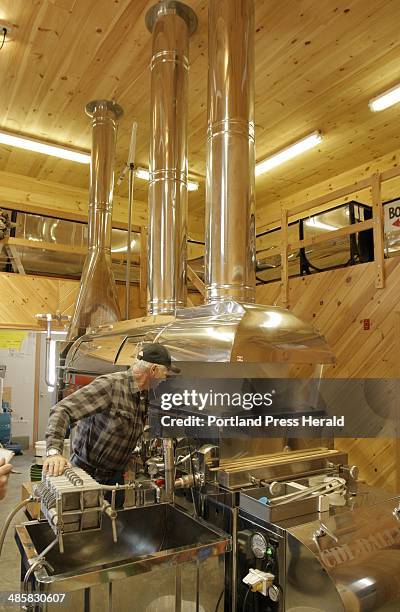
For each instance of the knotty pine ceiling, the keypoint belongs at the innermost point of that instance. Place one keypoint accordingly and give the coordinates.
(318, 62)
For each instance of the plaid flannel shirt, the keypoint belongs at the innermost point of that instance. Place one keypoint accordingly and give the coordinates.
(109, 417)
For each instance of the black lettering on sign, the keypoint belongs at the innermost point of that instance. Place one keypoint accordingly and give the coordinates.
(394, 212)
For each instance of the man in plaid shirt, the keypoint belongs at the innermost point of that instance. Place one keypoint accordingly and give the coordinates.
(109, 414)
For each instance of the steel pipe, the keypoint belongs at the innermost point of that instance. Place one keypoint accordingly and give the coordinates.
(171, 24)
(97, 301)
(230, 220)
(169, 468)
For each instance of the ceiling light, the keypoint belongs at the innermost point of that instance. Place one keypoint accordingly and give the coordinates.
(144, 174)
(390, 97)
(318, 224)
(38, 146)
(288, 153)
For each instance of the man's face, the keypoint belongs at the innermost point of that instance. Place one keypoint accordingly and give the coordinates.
(157, 374)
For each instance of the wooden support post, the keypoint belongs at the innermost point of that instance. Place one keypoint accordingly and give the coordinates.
(284, 258)
(143, 268)
(377, 212)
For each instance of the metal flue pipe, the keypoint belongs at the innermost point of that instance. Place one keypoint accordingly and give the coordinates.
(97, 302)
(171, 24)
(230, 204)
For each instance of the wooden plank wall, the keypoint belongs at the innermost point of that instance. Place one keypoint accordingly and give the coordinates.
(24, 296)
(337, 302)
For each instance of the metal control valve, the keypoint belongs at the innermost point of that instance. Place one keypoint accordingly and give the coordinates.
(259, 581)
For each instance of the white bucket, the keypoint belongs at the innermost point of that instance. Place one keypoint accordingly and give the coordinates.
(40, 451)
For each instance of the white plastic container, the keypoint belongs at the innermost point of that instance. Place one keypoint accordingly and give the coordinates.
(40, 451)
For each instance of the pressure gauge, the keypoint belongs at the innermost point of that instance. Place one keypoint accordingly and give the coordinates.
(274, 593)
(259, 545)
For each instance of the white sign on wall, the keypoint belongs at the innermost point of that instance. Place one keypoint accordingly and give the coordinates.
(392, 217)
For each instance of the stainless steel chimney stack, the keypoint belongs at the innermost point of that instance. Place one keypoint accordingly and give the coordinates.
(171, 24)
(230, 205)
(97, 301)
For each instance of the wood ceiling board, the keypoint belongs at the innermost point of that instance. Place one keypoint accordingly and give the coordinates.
(317, 65)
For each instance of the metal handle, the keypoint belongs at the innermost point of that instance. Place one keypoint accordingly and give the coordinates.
(319, 533)
(324, 488)
(114, 529)
(396, 512)
(109, 510)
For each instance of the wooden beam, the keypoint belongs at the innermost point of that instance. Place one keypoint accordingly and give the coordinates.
(195, 280)
(63, 215)
(57, 247)
(27, 326)
(284, 258)
(57, 199)
(143, 268)
(332, 235)
(329, 197)
(392, 173)
(379, 245)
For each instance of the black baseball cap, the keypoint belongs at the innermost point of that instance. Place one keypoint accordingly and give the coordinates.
(157, 353)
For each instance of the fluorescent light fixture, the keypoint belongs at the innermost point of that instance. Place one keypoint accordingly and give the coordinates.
(390, 97)
(288, 153)
(144, 174)
(23, 142)
(318, 224)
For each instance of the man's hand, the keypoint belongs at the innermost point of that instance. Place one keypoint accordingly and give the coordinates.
(5, 469)
(55, 465)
